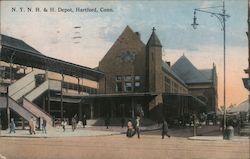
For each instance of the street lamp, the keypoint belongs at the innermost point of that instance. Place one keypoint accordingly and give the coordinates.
(194, 23)
(221, 16)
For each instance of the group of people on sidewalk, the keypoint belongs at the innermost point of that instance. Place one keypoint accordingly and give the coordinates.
(133, 129)
(32, 125)
(74, 122)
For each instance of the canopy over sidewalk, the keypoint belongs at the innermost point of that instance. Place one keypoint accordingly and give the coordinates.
(242, 107)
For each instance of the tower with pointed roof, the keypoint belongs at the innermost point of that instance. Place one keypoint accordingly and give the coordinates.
(154, 74)
(153, 63)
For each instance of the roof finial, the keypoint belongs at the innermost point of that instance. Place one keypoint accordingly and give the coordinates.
(153, 29)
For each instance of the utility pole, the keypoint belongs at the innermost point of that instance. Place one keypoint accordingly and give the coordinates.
(248, 21)
(246, 81)
(62, 82)
(221, 16)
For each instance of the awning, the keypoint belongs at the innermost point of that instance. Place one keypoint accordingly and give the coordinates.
(118, 95)
(190, 98)
(65, 100)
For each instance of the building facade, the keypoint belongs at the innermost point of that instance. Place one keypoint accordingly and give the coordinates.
(131, 79)
(35, 85)
(136, 71)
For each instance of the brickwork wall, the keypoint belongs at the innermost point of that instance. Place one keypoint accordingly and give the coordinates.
(155, 73)
(113, 65)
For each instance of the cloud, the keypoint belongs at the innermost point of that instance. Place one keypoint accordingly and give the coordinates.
(206, 4)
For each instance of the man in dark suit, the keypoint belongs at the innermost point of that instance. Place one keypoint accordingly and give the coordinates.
(165, 129)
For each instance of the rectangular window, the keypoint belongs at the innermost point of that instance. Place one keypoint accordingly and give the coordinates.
(137, 78)
(168, 81)
(128, 78)
(175, 88)
(137, 84)
(118, 87)
(118, 78)
(128, 87)
(2, 72)
(172, 87)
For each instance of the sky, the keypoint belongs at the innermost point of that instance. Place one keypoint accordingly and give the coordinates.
(52, 33)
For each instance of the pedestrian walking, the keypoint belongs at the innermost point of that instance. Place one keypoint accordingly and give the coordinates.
(195, 123)
(84, 121)
(32, 124)
(73, 122)
(64, 123)
(44, 124)
(137, 126)
(107, 122)
(12, 126)
(165, 129)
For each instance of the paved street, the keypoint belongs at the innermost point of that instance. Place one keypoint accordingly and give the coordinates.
(150, 146)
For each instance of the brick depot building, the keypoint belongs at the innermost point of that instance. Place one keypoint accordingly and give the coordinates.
(138, 81)
(131, 79)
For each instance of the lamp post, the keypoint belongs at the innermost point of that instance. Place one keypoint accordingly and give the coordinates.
(221, 16)
(1, 84)
(247, 71)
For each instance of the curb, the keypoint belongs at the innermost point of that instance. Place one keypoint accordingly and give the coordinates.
(54, 136)
(219, 138)
(20, 136)
(205, 139)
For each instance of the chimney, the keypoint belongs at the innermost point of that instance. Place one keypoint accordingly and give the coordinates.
(169, 63)
(138, 34)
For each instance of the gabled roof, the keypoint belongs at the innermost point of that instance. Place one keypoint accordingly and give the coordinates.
(17, 44)
(168, 70)
(126, 39)
(154, 40)
(208, 73)
(128, 32)
(189, 73)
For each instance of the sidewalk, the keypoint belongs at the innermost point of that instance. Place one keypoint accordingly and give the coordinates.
(58, 132)
(220, 138)
(208, 134)
(88, 131)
